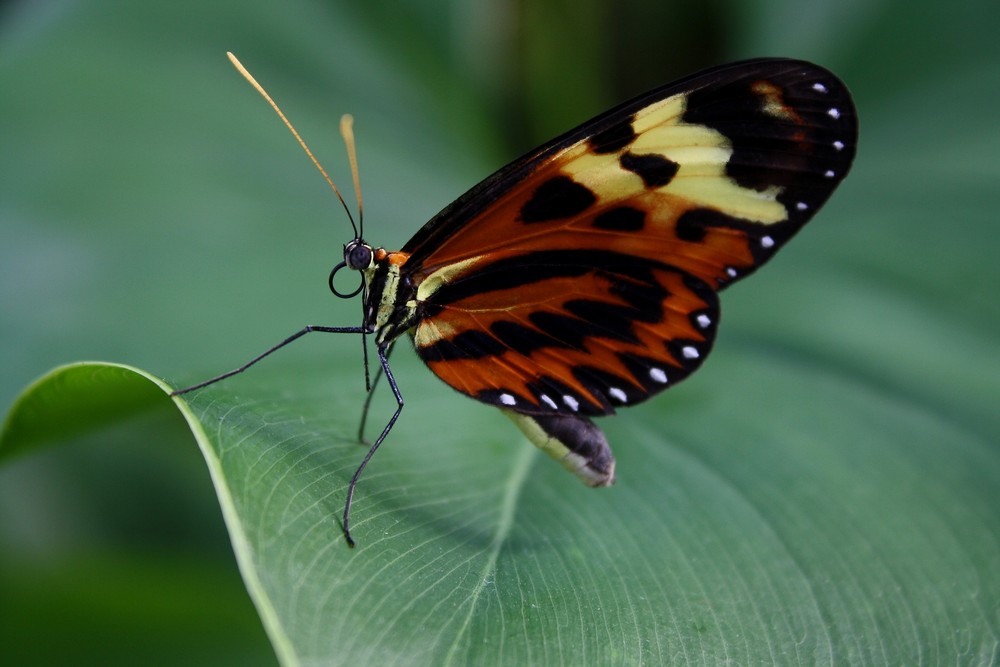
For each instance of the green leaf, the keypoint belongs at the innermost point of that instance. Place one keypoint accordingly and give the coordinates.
(823, 491)
(86, 396)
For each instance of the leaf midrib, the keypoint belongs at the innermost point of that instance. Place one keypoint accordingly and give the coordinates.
(508, 509)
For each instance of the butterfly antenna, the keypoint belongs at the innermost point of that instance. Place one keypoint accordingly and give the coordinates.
(260, 89)
(347, 132)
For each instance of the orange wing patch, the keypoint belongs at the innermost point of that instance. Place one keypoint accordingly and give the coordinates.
(573, 332)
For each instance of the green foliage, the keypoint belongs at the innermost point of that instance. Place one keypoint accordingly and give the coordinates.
(823, 491)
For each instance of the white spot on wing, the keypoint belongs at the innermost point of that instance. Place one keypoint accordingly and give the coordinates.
(819, 87)
(704, 320)
(802, 206)
(767, 242)
(658, 375)
(829, 173)
(731, 272)
(833, 112)
(839, 145)
(549, 402)
(507, 399)
(618, 394)
(571, 402)
(690, 352)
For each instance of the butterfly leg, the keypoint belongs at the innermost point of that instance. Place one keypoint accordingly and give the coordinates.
(383, 357)
(573, 441)
(295, 336)
(368, 399)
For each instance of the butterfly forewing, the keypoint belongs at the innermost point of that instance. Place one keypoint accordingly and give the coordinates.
(584, 275)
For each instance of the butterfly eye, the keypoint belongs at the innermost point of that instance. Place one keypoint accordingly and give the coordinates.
(358, 257)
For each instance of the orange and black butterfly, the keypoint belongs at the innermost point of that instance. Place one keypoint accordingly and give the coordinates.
(584, 276)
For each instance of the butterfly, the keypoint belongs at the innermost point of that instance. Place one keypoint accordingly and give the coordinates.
(584, 276)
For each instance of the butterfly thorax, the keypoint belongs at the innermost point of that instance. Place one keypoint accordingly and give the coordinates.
(390, 305)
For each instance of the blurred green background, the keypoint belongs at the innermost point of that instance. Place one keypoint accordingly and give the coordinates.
(153, 211)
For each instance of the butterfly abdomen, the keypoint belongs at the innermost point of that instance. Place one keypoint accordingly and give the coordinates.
(575, 442)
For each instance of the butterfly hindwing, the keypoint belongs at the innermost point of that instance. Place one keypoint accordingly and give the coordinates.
(583, 276)
(568, 331)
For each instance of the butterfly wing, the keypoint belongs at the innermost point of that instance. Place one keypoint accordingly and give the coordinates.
(583, 276)
(575, 331)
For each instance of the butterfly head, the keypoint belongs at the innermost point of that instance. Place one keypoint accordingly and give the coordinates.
(358, 256)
